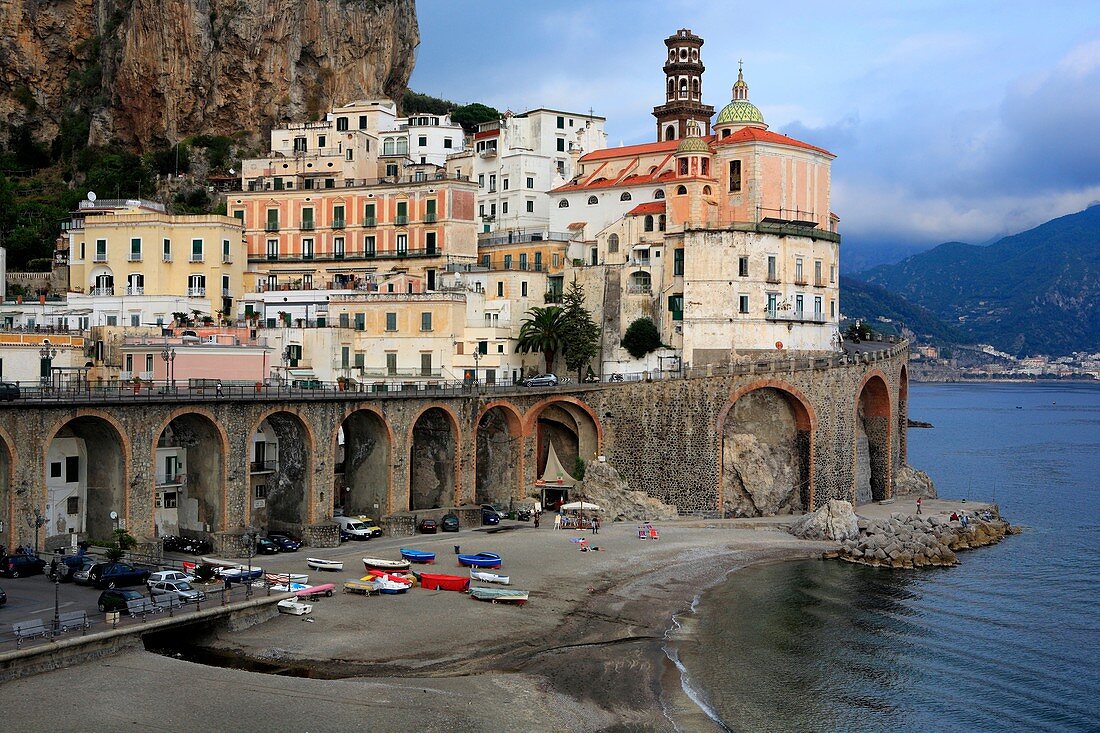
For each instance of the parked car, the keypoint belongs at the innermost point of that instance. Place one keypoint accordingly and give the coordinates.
(16, 566)
(169, 576)
(264, 546)
(489, 517)
(285, 542)
(523, 514)
(9, 391)
(67, 565)
(181, 589)
(449, 523)
(372, 527)
(83, 576)
(428, 526)
(110, 575)
(355, 528)
(496, 509)
(541, 380)
(116, 599)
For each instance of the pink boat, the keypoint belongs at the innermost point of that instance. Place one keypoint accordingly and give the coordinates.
(433, 581)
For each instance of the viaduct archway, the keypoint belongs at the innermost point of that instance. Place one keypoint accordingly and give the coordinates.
(499, 455)
(433, 460)
(873, 434)
(364, 463)
(190, 460)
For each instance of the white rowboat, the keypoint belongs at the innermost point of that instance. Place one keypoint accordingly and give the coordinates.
(488, 577)
(317, 563)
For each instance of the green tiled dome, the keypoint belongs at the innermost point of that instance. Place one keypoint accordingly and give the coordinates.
(692, 145)
(739, 111)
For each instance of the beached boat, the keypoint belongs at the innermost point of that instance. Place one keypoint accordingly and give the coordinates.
(317, 563)
(500, 595)
(361, 587)
(480, 560)
(294, 608)
(372, 563)
(284, 578)
(434, 581)
(487, 577)
(418, 556)
(241, 575)
(390, 587)
(407, 578)
(292, 588)
(313, 592)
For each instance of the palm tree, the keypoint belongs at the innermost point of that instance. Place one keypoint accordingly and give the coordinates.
(543, 331)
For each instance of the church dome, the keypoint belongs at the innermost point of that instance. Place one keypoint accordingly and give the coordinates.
(693, 145)
(739, 111)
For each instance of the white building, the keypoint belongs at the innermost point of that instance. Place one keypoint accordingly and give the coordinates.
(420, 139)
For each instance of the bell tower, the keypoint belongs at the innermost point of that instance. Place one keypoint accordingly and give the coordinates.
(683, 89)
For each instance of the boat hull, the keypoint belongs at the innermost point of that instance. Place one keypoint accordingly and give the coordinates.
(500, 595)
(434, 581)
(480, 560)
(490, 577)
(374, 563)
(319, 564)
(399, 577)
(418, 556)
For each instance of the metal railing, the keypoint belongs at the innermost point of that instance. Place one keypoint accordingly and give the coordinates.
(350, 254)
(171, 479)
(795, 316)
(488, 240)
(196, 292)
(108, 290)
(262, 466)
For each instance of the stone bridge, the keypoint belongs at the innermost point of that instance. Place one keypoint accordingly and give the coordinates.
(772, 436)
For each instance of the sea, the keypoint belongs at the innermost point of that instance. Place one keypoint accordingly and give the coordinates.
(1009, 640)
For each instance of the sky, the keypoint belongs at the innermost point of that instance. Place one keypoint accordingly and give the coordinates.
(951, 119)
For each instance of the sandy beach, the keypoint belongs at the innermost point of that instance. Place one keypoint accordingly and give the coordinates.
(585, 654)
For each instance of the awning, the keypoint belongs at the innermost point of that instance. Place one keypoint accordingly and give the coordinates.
(301, 373)
(577, 225)
(641, 246)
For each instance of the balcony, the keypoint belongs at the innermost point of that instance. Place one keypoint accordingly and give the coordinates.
(772, 278)
(401, 220)
(370, 221)
(272, 256)
(263, 467)
(227, 293)
(639, 289)
(307, 226)
(107, 290)
(196, 257)
(800, 280)
(171, 479)
(430, 218)
(135, 257)
(167, 257)
(196, 292)
(271, 226)
(794, 316)
(351, 255)
(337, 223)
(135, 290)
(99, 257)
(227, 260)
(819, 282)
(486, 239)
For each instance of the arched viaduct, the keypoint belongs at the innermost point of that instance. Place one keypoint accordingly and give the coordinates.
(752, 439)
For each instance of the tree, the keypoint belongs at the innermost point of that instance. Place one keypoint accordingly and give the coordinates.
(581, 334)
(641, 338)
(472, 115)
(543, 331)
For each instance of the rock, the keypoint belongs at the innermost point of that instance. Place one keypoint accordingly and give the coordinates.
(603, 486)
(908, 481)
(834, 521)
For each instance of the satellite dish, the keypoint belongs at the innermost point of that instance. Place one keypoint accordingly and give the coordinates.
(114, 516)
(232, 172)
(91, 195)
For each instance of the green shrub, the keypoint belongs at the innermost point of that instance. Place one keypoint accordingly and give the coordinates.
(641, 338)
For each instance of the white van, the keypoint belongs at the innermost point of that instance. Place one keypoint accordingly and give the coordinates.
(353, 527)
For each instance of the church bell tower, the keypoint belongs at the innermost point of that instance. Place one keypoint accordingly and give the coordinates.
(683, 89)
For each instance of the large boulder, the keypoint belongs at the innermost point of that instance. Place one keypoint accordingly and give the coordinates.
(834, 521)
(911, 482)
(603, 486)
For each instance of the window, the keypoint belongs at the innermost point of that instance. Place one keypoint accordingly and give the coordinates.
(391, 170)
(167, 250)
(170, 499)
(538, 261)
(72, 505)
(429, 242)
(196, 286)
(391, 321)
(260, 491)
(273, 249)
(743, 266)
(225, 251)
(307, 217)
(676, 306)
(135, 249)
(360, 359)
(360, 321)
(321, 140)
(101, 250)
(683, 166)
(832, 309)
(402, 213)
(149, 360)
(561, 123)
(507, 262)
(338, 217)
(481, 210)
(504, 183)
(798, 305)
(661, 223)
(832, 273)
(402, 244)
(500, 289)
(742, 304)
(817, 272)
(447, 142)
(135, 319)
(368, 215)
(300, 145)
(368, 246)
(341, 124)
(592, 201)
(563, 204)
(648, 226)
(55, 469)
(681, 190)
(362, 122)
(196, 250)
(481, 180)
(773, 276)
(678, 261)
(504, 208)
(561, 144)
(391, 363)
(530, 207)
(658, 194)
(426, 321)
(772, 304)
(530, 181)
(422, 141)
(613, 243)
(735, 176)
(338, 247)
(345, 320)
(817, 307)
(798, 269)
(523, 289)
(307, 248)
(625, 196)
(639, 281)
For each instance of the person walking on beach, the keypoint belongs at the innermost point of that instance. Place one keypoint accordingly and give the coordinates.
(557, 521)
(536, 520)
(595, 524)
(919, 502)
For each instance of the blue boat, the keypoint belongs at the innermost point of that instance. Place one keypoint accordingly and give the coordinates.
(419, 556)
(480, 560)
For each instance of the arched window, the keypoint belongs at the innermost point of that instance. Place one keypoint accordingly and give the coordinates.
(683, 88)
(704, 166)
(613, 243)
(683, 166)
(695, 86)
(563, 204)
(706, 190)
(726, 132)
(639, 281)
(671, 89)
(649, 222)
(681, 190)
(670, 132)
(592, 201)
(659, 194)
(625, 196)
(661, 223)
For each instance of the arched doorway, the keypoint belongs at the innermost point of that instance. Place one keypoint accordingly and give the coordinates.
(499, 438)
(280, 466)
(572, 433)
(872, 449)
(364, 460)
(85, 481)
(766, 454)
(432, 454)
(190, 477)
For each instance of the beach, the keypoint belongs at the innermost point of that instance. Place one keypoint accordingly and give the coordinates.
(586, 653)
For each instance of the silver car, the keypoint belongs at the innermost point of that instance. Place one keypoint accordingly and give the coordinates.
(169, 575)
(542, 380)
(181, 589)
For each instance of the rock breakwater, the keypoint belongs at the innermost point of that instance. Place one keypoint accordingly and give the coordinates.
(916, 541)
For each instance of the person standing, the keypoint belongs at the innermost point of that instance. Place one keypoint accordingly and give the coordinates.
(219, 388)
(595, 524)
(536, 520)
(557, 521)
(919, 502)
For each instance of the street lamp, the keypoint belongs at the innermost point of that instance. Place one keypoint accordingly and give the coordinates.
(286, 366)
(169, 356)
(47, 354)
(477, 360)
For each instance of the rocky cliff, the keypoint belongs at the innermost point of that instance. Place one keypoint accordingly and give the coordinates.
(148, 72)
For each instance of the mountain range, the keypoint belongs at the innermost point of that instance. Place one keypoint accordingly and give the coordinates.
(1036, 292)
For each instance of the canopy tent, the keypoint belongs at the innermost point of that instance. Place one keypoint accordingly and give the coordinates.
(555, 474)
(581, 506)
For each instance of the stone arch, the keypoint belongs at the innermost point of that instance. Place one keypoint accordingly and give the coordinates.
(498, 464)
(199, 443)
(570, 425)
(364, 463)
(93, 488)
(280, 462)
(903, 415)
(8, 459)
(434, 460)
(766, 440)
(873, 434)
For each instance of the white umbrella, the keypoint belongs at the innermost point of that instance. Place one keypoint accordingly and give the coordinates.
(581, 506)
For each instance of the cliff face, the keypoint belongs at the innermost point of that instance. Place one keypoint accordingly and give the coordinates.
(148, 72)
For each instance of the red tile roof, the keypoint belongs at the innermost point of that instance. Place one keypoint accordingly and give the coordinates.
(754, 134)
(652, 207)
(628, 151)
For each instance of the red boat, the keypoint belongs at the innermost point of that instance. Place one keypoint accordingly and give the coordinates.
(432, 581)
(399, 577)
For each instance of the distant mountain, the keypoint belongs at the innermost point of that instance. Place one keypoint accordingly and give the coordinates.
(867, 302)
(859, 254)
(1037, 292)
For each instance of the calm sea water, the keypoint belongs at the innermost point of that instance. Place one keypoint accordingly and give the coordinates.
(1007, 641)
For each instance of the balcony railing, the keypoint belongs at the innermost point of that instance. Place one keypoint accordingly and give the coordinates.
(370, 221)
(819, 282)
(109, 290)
(306, 226)
(271, 226)
(263, 466)
(337, 223)
(171, 479)
(352, 255)
(430, 218)
(196, 257)
(196, 292)
(167, 257)
(485, 240)
(639, 289)
(135, 290)
(795, 316)
(99, 257)
(799, 280)
(135, 257)
(517, 267)
(401, 220)
(772, 278)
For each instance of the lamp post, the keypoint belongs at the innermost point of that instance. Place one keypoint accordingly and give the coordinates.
(46, 355)
(477, 361)
(250, 549)
(169, 356)
(56, 599)
(286, 366)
